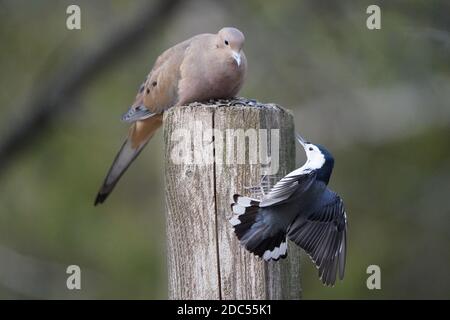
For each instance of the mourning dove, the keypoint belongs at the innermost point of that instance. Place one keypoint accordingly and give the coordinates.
(206, 66)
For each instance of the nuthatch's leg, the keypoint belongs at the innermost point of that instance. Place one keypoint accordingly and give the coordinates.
(261, 189)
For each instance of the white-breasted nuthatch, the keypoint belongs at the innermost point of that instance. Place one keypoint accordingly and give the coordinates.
(302, 208)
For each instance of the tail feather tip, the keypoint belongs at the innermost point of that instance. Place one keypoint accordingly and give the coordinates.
(101, 197)
(276, 253)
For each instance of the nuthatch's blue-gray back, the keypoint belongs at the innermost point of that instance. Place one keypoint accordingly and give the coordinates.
(302, 208)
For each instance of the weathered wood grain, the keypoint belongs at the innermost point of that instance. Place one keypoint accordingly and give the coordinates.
(205, 260)
(191, 220)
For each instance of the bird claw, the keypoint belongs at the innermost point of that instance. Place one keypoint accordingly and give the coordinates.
(264, 186)
(195, 104)
(240, 101)
(235, 102)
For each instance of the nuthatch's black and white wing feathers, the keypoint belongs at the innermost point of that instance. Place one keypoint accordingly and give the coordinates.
(297, 181)
(323, 236)
(259, 228)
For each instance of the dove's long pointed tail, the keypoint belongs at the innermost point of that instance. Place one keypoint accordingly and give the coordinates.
(140, 133)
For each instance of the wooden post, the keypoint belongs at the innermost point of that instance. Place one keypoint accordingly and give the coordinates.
(205, 259)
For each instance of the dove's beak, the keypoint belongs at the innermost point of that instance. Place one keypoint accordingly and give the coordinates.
(237, 57)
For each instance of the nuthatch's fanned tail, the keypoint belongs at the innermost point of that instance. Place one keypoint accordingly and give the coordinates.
(254, 230)
(140, 133)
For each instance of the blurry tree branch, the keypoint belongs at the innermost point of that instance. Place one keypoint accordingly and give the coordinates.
(78, 71)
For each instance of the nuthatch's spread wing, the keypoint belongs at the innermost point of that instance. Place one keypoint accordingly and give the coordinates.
(323, 236)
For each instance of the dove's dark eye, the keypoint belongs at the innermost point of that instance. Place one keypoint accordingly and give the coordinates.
(226, 42)
(154, 83)
(310, 149)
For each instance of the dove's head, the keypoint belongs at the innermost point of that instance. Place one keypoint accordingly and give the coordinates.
(233, 40)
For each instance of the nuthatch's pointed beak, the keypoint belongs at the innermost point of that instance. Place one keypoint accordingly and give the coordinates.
(237, 57)
(300, 140)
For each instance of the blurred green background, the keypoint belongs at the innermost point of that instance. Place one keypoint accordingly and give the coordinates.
(379, 100)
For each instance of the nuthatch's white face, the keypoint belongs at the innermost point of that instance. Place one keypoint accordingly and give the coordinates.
(316, 158)
(232, 40)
